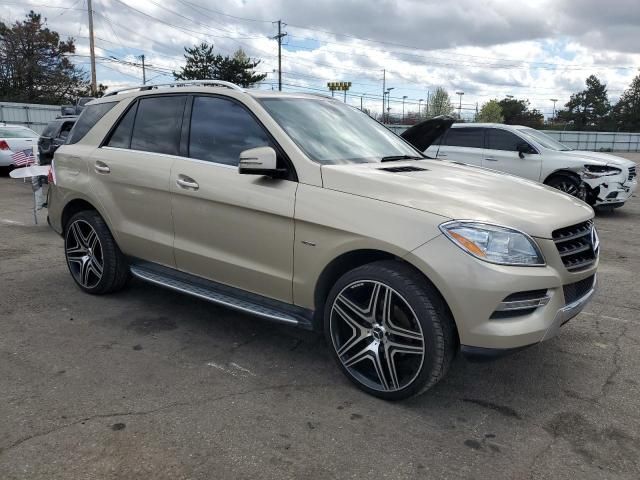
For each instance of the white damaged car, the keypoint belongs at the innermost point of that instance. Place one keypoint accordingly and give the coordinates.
(608, 180)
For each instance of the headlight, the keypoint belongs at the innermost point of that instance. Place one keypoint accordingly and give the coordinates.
(597, 171)
(493, 243)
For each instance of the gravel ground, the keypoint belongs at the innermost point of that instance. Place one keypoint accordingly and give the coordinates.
(147, 383)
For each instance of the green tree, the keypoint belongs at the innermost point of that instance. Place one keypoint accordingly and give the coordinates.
(35, 66)
(589, 109)
(203, 64)
(439, 103)
(626, 113)
(516, 112)
(491, 112)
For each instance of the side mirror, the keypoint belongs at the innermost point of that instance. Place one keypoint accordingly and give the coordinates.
(523, 148)
(259, 161)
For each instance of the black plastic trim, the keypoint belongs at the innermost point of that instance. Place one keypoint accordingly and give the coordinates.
(481, 354)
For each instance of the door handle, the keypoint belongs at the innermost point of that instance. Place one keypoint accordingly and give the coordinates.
(187, 183)
(491, 159)
(441, 155)
(101, 167)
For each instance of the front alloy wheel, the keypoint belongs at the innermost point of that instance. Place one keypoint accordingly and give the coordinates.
(377, 336)
(390, 332)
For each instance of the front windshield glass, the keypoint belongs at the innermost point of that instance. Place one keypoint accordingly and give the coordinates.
(543, 139)
(331, 133)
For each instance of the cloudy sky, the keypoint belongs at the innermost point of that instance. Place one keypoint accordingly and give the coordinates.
(535, 50)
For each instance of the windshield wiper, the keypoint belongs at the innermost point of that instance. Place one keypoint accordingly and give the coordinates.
(394, 158)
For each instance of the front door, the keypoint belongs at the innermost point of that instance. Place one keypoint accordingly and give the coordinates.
(234, 229)
(501, 153)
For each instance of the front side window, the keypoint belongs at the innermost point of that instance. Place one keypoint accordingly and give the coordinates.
(221, 129)
(87, 119)
(464, 137)
(498, 139)
(157, 124)
(330, 132)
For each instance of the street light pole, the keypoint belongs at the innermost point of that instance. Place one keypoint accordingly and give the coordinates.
(460, 104)
(403, 99)
(389, 103)
(419, 109)
(554, 100)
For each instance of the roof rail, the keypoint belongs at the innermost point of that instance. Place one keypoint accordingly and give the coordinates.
(184, 83)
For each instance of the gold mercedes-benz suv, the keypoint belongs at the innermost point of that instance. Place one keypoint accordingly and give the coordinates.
(303, 210)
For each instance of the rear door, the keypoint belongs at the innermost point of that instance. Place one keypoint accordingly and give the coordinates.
(462, 144)
(501, 153)
(130, 175)
(234, 229)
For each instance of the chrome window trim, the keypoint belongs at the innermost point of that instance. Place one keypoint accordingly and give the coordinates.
(167, 155)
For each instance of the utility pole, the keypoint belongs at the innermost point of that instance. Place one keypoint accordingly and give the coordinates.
(92, 51)
(384, 90)
(360, 102)
(279, 37)
(426, 107)
(460, 104)
(403, 99)
(144, 72)
(554, 100)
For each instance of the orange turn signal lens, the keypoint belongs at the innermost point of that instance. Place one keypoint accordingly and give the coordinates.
(468, 244)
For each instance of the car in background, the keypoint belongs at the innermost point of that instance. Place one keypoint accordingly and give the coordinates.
(609, 181)
(54, 135)
(14, 138)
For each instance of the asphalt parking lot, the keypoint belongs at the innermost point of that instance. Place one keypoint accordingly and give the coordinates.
(148, 383)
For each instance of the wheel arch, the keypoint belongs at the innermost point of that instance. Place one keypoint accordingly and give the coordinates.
(353, 259)
(562, 172)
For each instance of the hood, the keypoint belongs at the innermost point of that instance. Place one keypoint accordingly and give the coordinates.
(423, 134)
(461, 192)
(601, 157)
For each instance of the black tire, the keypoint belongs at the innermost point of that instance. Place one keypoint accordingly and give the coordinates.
(566, 184)
(413, 293)
(114, 272)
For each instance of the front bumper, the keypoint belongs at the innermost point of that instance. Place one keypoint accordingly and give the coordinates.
(612, 191)
(474, 289)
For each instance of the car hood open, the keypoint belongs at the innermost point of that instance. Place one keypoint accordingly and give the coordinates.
(461, 192)
(423, 134)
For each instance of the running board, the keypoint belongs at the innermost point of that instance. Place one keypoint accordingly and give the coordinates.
(230, 297)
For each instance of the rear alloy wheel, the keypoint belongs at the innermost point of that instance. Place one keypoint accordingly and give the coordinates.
(390, 335)
(96, 263)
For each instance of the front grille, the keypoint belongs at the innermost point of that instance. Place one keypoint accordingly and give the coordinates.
(632, 173)
(575, 291)
(576, 246)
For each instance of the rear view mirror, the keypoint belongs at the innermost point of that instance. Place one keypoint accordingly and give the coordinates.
(523, 148)
(259, 161)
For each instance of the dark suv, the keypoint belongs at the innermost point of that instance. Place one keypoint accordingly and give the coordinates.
(54, 135)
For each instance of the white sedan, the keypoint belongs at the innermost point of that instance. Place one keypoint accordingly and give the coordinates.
(14, 138)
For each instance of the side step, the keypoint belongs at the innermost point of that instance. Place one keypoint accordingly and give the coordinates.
(231, 297)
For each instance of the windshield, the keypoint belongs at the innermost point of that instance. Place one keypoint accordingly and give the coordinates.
(331, 133)
(20, 132)
(543, 139)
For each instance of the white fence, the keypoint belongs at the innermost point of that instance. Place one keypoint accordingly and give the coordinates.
(29, 115)
(592, 141)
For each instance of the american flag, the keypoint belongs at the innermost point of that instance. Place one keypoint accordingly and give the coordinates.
(23, 157)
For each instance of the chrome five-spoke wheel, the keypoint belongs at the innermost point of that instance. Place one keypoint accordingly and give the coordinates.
(84, 253)
(377, 336)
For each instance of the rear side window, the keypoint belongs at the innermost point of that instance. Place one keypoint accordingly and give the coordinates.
(157, 124)
(121, 136)
(464, 137)
(87, 119)
(221, 129)
(498, 139)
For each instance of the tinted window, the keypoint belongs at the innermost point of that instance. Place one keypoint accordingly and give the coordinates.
(121, 136)
(87, 119)
(502, 140)
(221, 129)
(51, 128)
(157, 125)
(464, 137)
